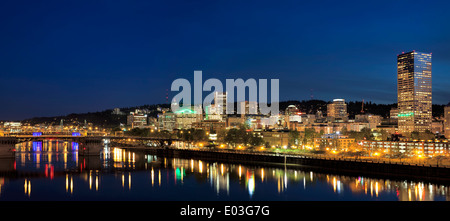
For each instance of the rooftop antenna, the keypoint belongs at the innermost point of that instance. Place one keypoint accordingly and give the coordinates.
(362, 106)
(167, 95)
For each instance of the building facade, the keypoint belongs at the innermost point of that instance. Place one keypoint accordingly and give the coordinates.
(414, 92)
(409, 148)
(220, 102)
(247, 107)
(447, 121)
(212, 126)
(167, 121)
(137, 119)
(185, 120)
(276, 138)
(337, 110)
(340, 143)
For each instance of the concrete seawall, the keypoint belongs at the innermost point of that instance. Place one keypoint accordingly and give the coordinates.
(344, 167)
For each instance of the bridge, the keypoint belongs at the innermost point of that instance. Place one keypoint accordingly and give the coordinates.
(91, 145)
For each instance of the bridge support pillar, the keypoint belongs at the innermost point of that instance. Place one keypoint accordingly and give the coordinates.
(90, 147)
(7, 147)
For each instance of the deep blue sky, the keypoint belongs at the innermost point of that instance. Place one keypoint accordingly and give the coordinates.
(61, 57)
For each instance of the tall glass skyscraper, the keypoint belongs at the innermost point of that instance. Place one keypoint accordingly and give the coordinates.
(414, 91)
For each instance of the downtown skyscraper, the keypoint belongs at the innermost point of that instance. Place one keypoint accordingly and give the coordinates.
(414, 92)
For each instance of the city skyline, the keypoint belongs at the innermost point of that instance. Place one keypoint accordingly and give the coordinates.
(272, 103)
(79, 59)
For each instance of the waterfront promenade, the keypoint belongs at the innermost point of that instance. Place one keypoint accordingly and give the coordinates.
(395, 169)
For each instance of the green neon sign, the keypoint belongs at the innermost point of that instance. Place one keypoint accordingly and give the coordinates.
(185, 111)
(410, 114)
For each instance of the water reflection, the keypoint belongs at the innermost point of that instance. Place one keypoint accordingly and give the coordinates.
(37, 155)
(53, 170)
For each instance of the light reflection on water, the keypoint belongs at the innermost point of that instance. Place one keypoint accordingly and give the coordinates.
(52, 170)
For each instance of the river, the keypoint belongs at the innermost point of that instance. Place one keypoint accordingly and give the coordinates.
(53, 171)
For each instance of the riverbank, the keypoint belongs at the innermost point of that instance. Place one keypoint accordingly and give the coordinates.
(344, 166)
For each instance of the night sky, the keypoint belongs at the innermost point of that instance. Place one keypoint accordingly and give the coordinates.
(61, 57)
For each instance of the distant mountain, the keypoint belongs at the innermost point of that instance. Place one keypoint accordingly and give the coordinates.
(107, 119)
(103, 118)
(353, 107)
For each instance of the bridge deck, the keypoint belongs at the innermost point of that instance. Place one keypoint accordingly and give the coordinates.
(92, 137)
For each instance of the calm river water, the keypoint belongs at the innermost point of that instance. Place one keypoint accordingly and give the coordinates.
(53, 171)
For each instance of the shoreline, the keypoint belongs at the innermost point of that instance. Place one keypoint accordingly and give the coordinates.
(324, 165)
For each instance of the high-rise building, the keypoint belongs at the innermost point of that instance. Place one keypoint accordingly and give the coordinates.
(337, 110)
(220, 102)
(447, 121)
(247, 107)
(414, 92)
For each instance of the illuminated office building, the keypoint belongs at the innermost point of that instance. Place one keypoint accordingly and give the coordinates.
(248, 107)
(136, 119)
(220, 102)
(414, 91)
(337, 110)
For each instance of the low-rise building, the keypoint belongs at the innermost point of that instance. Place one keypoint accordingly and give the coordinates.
(12, 127)
(137, 120)
(185, 120)
(357, 126)
(276, 138)
(409, 148)
(334, 141)
(234, 121)
(437, 126)
(372, 120)
(166, 121)
(209, 125)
